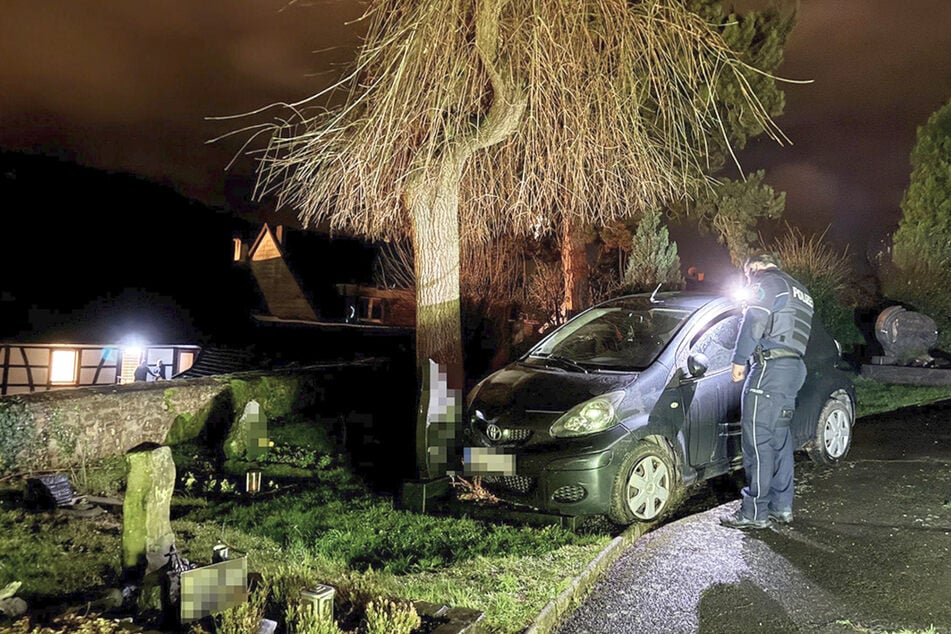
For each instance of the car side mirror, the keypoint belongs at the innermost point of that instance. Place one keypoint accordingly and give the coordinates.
(697, 364)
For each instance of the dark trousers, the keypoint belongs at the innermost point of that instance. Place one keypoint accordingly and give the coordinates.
(769, 399)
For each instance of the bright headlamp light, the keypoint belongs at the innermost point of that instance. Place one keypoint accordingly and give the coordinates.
(590, 417)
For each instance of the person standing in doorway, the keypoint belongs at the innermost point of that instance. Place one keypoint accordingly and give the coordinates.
(773, 336)
(160, 371)
(142, 372)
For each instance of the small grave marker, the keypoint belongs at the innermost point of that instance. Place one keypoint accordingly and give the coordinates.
(50, 491)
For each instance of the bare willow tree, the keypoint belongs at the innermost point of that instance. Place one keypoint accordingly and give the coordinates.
(464, 119)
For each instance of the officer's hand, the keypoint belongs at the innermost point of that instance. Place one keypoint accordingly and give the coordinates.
(739, 372)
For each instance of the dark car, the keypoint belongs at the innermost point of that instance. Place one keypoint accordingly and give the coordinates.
(621, 408)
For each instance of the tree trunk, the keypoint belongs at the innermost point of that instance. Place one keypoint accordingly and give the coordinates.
(433, 200)
(432, 197)
(574, 266)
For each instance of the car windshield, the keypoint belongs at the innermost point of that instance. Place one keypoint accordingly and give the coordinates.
(626, 335)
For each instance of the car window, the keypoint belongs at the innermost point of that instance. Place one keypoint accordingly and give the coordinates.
(613, 337)
(717, 341)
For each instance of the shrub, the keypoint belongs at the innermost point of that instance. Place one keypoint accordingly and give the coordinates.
(391, 617)
(924, 231)
(303, 619)
(828, 277)
(18, 437)
(653, 257)
(244, 617)
(923, 288)
(916, 274)
(70, 623)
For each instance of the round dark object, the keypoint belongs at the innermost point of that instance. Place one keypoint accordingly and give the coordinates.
(906, 336)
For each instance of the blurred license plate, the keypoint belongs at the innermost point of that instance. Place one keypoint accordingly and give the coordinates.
(488, 461)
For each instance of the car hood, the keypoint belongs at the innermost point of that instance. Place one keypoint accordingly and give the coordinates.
(519, 387)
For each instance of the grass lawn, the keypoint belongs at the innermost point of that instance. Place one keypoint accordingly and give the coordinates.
(875, 398)
(325, 528)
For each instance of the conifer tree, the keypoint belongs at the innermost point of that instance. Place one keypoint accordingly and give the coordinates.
(923, 239)
(653, 258)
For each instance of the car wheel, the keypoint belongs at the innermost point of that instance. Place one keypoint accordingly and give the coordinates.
(647, 486)
(833, 434)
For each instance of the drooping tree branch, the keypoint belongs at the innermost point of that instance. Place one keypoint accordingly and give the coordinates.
(619, 111)
(509, 97)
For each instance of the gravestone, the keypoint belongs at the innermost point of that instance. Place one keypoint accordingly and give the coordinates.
(49, 491)
(247, 439)
(438, 440)
(147, 535)
(440, 412)
(207, 590)
(907, 337)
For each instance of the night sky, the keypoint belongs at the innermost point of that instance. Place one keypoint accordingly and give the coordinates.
(879, 70)
(132, 87)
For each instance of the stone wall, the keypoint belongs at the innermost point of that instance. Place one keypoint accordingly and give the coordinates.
(54, 430)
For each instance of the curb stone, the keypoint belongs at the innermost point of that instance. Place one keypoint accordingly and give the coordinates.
(552, 614)
(559, 607)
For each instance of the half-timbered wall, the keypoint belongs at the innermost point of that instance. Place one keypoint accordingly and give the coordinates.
(38, 367)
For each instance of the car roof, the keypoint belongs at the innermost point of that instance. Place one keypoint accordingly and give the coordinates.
(685, 300)
(822, 346)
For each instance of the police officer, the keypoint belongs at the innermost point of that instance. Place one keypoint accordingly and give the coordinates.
(774, 333)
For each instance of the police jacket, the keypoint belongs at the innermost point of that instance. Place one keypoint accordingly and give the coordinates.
(778, 317)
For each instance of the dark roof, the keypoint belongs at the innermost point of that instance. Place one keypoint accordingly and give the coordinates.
(320, 261)
(212, 361)
(277, 344)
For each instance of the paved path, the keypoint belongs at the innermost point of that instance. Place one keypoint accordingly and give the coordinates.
(869, 551)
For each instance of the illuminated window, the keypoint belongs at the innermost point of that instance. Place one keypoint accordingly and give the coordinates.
(185, 360)
(63, 368)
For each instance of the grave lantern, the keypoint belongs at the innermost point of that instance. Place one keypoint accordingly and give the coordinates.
(319, 599)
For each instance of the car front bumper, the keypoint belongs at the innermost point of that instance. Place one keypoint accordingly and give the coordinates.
(574, 477)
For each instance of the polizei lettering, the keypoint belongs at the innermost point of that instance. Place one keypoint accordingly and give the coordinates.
(803, 297)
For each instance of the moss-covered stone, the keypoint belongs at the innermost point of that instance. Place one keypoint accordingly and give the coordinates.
(277, 395)
(146, 525)
(248, 437)
(211, 421)
(68, 428)
(185, 427)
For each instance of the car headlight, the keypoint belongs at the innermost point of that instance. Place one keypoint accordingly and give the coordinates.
(590, 417)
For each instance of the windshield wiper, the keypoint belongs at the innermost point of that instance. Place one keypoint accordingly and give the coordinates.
(574, 365)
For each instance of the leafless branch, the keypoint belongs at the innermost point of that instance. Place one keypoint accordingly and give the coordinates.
(603, 109)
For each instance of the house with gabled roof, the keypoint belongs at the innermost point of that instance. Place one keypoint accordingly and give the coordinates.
(281, 289)
(305, 276)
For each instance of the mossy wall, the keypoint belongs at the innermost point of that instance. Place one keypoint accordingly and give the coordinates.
(59, 429)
